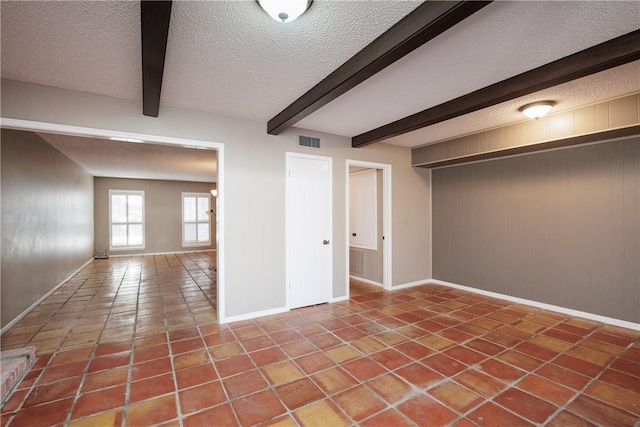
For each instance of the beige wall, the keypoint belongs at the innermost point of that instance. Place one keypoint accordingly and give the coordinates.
(560, 227)
(163, 213)
(47, 220)
(254, 187)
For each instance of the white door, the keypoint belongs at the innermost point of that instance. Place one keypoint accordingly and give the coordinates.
(309, 230)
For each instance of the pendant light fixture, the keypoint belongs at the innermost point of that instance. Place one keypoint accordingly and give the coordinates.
(285, 10)
(536, 110)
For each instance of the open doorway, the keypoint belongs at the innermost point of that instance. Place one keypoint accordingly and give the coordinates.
(368, 219)
(169, 149)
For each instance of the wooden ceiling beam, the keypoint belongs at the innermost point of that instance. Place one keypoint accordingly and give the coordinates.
(426, 22)
(154, 19)
(604, 56)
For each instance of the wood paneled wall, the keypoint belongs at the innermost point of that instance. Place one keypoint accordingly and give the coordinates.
(560, 227)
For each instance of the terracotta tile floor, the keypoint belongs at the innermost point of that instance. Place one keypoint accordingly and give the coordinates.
(133, 341)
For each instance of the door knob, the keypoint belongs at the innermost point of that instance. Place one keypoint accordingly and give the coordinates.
(325, 242)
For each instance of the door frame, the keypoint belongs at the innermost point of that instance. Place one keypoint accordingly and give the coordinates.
(34, 126)
(387, 255)
(288, 156)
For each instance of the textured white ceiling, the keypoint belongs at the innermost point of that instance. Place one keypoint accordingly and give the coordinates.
(88, 46)
(224, 57)
(117, 159)
(231, 58)
(608, 84)
(500, 41)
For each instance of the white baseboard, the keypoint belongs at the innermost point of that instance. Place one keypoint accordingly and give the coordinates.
(253, 315)
(551, 307)
(20, 316)
(410, 284)
(338, 299)
(367, 281)
(112, 255)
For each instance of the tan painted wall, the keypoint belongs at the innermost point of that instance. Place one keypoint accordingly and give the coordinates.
(163, 213)
(254, 199)
(47, 220)
(560, 227)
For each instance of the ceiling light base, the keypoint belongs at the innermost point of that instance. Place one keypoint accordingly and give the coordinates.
(535, 110)
(285, 10)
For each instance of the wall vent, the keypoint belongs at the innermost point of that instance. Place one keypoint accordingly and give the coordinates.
(308, 141)
(356, 262)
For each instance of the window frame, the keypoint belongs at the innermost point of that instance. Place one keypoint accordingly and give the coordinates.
(143, 222)
(197, 195)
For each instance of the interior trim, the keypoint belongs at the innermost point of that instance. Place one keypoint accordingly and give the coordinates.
(610, 54)
(537, 146)
(154, 24)
(542, 305)
(426, 22)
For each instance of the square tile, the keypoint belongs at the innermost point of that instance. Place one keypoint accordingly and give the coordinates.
(281, 373)
(53, 391)
(419, 375)
(152, 411)
(322, 413)
(363, 368)
(195, 375)
(500, 370)
(342, 353)
(299, 393)
(480, 383)
(391, 388)
(298, 348)
(43, 415)
(98, 401)
(545, 389)
(243, 384)
(414, 350)
(268, 356)
(314, 362)
(201, 397)
(600, 412)
(151, 387)
(444, 364)
(60, 372)
(194, 358)
(151, 368)
(224, 351)
(390, 359)
(526, 405)
(258, 407)
(368, 345)
(334, 380)
(221, 416)
(455, 396)
(424, 411)
(359, 403)
(616, 396)
(490, 415)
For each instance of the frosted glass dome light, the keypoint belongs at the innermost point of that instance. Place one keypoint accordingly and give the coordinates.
(285, 10)
(537, 109)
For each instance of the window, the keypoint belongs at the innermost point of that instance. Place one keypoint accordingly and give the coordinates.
(126, 219)
(196, 220)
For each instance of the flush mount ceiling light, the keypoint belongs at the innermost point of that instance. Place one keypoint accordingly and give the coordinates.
(536, 110)
(285, 10)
